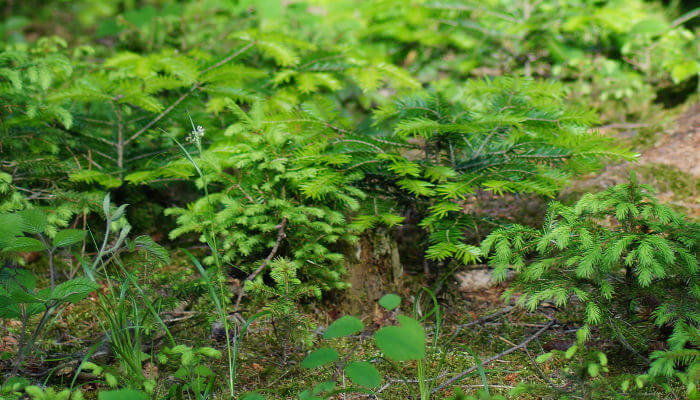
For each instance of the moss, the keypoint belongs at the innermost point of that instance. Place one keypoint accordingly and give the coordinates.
(668, 178)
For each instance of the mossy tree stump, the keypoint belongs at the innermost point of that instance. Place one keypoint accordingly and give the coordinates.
(374, 269)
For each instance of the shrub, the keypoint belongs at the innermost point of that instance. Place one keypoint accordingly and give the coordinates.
(630, 262)
(504, 136)
(278, 188)
(614, 55)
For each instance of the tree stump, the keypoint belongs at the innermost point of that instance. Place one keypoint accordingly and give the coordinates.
(374, 269)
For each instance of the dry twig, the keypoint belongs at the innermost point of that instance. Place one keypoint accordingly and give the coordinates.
(280, 236)
(468, 371)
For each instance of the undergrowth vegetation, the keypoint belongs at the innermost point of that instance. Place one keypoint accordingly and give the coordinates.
(193, 195)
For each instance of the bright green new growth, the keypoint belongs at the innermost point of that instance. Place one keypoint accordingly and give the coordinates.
(313, 121)
(629, 261)
(502, 135)
(612, 54)
(267, 171)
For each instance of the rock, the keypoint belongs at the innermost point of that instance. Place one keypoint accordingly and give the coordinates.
(478, 278)
(218, 333)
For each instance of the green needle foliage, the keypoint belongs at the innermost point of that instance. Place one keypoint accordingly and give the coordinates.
(628, 261)
(503, 135)
(612, 54)
(77, 123)
(275, 186)
(282, 299)
(306, 124)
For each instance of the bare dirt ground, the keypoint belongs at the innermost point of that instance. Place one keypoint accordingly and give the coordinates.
(682, 147)
(672, 166)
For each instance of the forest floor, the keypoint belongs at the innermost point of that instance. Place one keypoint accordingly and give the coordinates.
(680, 148)
(671, 163)
(478, 322)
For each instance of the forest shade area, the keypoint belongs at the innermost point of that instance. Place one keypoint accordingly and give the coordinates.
(349, 199)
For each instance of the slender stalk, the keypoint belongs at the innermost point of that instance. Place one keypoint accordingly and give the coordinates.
(23, 351)
(98, 257)
(22, 338)
(422, 383)
(211, 241)
(120, 138)
(52, 269)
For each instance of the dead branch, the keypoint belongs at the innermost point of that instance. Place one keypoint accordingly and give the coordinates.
(483, 319)
(280, 236)
(468, 371)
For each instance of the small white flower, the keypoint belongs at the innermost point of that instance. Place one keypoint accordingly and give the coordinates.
(196, 135)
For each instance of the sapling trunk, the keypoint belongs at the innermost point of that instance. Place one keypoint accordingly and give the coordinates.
(52, 268)
(32, 339)
(22, 337)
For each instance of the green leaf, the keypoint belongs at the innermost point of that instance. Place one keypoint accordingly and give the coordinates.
(10, 228)
(325, 386)
(544, 357)
(202, 371)
(593, 370)
(67, 237)
(602, 358)
(319, 357)
(9, 309)
(625, 385)
(32, 221)
(363, 374)
(402, 343)
(209, 352)
(651, 26)
(118, 212)
(306, 395)
(17, 276)
(26, 244)
(390, 301)
(122, 394)
(35, 391)
(111, 380)
(684, 70)
(150, 246)
(343, 326)
(106, 204)
(252, 396)
(73, 290)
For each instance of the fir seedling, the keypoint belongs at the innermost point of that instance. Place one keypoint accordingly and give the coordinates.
(629, 261)
(503, 135)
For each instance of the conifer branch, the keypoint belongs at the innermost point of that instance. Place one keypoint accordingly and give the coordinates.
(162, 114)
(280, 236)
(194, 87)
(229, 58)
